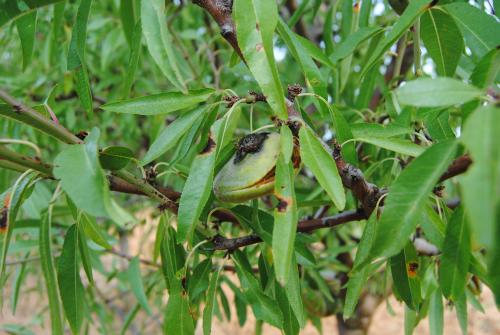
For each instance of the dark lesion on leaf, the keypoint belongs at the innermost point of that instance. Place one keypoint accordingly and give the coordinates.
(209, 147)
(412, 268)
(251, 143)
(3, 214)
(282, 205)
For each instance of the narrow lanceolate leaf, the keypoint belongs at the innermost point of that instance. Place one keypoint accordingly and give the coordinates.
(135, 279)
(178, 319)
(480, 30)
(70, 284)
(76, 55)
(264, 308)
(210, 302)
(26, 27)
(76, 52)
(169, 136)
(93, 231)
(402, 146)
(199, 281)
(413, 11)
(437, 92)
(159, 41)
(481, 183)
(85, 254)
(443, 40)
(285, 220)
(10, 9)
(461, 311)
(405, 275)
(436, 313)
(347, 46)
(83, 179)
(163, 103)
(128, 17)
(455, 258)
(286, 143)
(294, 295)
(407, 197)
(317, 158)
(196, 191)
(135, 48)
(49, 273)
(255, 22)
(290, 323)
(359, 275)
(16, 197)
(313, 76)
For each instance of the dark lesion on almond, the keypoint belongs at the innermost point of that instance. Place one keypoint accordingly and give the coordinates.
(251, 143)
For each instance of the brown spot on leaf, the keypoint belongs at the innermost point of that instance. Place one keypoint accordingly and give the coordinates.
(259, 47)
(209, 147)
(257, 26)
(411, 269)
(282, 205)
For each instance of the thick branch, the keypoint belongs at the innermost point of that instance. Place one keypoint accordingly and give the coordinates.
(353, 179)
(304, 226)
(221, 10)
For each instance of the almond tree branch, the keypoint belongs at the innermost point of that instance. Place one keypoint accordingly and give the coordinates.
(221, 10)
(27, 115)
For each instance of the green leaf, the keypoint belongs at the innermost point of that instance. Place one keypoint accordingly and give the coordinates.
(11, 9)
(135, 279)
(83, 179)
(18, 194)
(290, 323)
(163, 103)
(26, 27)
(70, 284)
(264, 308)
(402, 146)
(437, 92)
(436, 313)
(170, 135)
(135, 51)
(317, 158)
(172, 260)
(128, 17)
(294, 295)
(160, 43)
(405, 275)
(313, 76)
(412, 12)
(378, 130)
(115, 158)
(82, 87)
(198, 186)
(255, 22)
(76, 52)
(286, 143)
(455, 258)
(485, 73)
(480, 30)
(407, 197)
(92, 231)
(49, 273)
(178, 319)
(359, 276)
(461, 311)
(285, 220)
(481, 183)
(442, 39)
(210, 302)
(199, 281)
(85, 254)
(347, 46)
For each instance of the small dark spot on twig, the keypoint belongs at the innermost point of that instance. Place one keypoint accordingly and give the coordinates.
(282, 205)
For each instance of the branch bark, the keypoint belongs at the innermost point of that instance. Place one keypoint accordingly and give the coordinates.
(221, 10)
